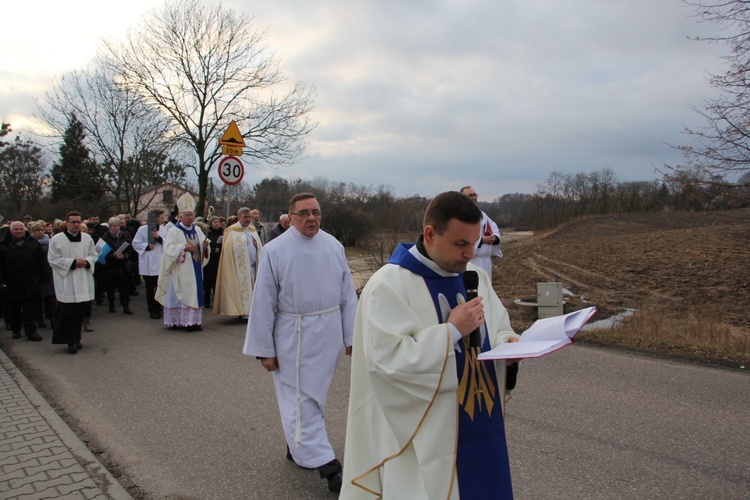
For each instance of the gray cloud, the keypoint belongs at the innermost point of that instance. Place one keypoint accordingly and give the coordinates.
(430, 95)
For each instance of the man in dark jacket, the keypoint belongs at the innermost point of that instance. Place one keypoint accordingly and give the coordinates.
(21, 271)
(282, 226)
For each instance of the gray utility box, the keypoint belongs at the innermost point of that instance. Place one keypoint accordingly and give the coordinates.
(549, 299)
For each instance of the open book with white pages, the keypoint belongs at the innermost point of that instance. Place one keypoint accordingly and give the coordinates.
(544, 336)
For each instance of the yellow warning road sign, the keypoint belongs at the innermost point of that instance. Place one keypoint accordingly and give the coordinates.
(231, 151)
(232, 136)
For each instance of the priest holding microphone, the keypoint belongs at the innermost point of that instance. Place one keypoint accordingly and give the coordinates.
(425, 416)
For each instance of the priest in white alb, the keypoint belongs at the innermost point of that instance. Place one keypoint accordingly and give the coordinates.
(301, 322)
(72, 255)
(425, 416)
(235, 277)
(488, 244)
(180, 285)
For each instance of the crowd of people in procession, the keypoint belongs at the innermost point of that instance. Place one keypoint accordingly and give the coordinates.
(128, 253)
(411, 359)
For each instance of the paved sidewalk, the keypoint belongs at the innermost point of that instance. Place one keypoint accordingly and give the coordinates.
(40, 457)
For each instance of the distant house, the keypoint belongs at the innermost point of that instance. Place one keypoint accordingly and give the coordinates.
(161, 197)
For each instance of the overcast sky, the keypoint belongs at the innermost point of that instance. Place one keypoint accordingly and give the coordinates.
(425, 96)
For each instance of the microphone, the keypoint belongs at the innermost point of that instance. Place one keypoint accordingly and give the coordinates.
(471, 283)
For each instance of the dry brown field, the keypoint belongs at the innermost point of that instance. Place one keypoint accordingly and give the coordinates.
(686, 275)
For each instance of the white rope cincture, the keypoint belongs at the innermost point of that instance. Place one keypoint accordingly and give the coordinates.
(298, 423)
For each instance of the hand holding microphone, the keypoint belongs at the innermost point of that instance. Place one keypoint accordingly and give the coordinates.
(471, 282)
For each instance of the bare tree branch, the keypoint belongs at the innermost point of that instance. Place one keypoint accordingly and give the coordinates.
(206, 66)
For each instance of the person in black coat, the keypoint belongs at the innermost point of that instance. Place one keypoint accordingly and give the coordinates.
(115, 272)
(215, 234)
(21, 271)
(48, 302)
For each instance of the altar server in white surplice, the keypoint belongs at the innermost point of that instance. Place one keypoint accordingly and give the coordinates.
(301, 322)
(488, 244)
(149, 243)
(235, 277)
(72, 255)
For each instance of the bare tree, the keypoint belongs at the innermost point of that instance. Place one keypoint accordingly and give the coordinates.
(723, 144)
(128, 138)
(206, 66)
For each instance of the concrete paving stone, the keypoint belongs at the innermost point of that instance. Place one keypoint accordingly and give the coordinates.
(28, 479)
(34, 425)
(93, 494)
(50, 437)
(26, 489)
(16, 474)
(22, 440)
(32, 432)
(53, 447)
(68, 461)
(40, 495)
(69, 489)
(56, 483)
(9, 460)
(23, 463)
(49, 459)
(44, 453)
(53, 470)
(63, 471)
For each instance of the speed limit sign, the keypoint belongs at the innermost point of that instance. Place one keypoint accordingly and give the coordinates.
(231, 170)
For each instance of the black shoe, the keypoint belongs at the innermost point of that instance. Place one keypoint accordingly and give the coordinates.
(194, 328)
(155, 315)
(111, 309)
(40, 323)
(16, 335)
(34, 337)
(99, 302)
(72, 348)
(334, 482)
(126, 310)
(79, 345)
(290, 457)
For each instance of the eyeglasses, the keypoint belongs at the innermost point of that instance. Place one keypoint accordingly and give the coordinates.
(473, 195)
(307, 213)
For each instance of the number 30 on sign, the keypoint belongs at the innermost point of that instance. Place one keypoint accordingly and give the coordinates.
(231, 170)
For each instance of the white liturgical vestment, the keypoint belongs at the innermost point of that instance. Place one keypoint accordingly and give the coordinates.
(483, 252)
(235, 277)
(76, 284)
(303, 314)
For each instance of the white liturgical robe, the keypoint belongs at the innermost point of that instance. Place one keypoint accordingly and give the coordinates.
(303, 314)
(77, 284)
(483, 252)
(401, 436)
(149, 261)
(178, 285)
(235, 277)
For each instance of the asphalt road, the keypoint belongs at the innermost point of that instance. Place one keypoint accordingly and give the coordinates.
(185, 415)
